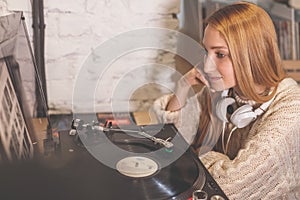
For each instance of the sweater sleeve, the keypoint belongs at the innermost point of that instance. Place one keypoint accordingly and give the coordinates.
(247, 176)
(186, 119)
(267, 167)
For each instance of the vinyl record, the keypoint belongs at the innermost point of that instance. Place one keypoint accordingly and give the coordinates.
(176, 181)
(144, 175)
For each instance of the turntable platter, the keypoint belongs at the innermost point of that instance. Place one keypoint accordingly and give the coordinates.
(141, 174)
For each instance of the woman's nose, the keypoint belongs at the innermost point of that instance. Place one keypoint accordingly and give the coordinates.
(209, 65)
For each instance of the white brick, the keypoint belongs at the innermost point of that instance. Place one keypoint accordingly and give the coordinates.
(63, 46)
(71, 24)
(75, 6)
(51, 22)
(153, 6)
(59, 70)
(60, 93)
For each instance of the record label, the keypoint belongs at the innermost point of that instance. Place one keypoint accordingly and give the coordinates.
(137, 166)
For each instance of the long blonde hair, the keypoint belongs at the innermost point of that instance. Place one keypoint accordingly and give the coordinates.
(252, 42)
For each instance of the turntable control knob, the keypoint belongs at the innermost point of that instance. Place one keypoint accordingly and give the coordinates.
(217, 197)
(199, 195)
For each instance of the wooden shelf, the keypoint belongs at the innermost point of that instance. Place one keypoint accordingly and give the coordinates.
(292, 68)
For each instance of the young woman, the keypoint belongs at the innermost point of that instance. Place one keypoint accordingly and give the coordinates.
(250, 159)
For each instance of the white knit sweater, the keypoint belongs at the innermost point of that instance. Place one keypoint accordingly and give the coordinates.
(268, 164)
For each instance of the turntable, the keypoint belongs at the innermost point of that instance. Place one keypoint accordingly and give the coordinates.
(135, 162)
(130, 162)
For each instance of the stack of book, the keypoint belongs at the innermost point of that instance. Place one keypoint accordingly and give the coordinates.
(127, 118)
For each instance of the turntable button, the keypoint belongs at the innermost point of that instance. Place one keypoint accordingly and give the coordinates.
(213, 186)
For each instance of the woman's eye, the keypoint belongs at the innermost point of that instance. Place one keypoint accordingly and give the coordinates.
(220, 55)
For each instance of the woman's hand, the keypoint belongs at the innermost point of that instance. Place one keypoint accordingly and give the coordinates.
(191, 78)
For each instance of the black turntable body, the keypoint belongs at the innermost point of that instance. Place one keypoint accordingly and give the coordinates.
(76, 171)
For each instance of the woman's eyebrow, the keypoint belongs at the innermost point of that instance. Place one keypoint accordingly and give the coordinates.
(213, 47)
(219, 47)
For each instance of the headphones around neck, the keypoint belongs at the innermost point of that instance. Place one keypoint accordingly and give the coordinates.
(242, 116)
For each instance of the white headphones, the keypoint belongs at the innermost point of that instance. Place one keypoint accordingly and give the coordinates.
(242, 116)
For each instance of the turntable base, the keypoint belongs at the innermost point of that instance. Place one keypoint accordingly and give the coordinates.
(73, 173)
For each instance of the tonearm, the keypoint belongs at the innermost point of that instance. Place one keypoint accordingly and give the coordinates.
(78, 124)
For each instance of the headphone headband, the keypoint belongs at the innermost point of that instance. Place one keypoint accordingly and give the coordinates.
(241, 117)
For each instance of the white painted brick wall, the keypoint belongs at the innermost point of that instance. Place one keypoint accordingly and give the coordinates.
(75, 28)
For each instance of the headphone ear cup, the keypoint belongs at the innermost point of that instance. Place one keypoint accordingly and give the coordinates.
(222, 106)
(243, 116)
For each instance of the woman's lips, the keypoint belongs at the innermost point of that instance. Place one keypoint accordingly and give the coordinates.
(214, 79)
